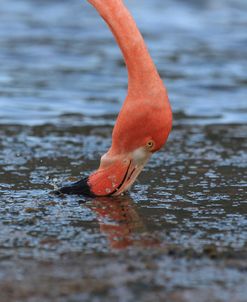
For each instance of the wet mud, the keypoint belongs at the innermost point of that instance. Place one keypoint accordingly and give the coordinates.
(180, 234)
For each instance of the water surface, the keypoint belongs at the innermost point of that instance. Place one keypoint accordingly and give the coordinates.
(181, 233)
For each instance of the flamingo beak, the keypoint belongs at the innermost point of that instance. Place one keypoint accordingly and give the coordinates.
(80, 187)
(114, 176)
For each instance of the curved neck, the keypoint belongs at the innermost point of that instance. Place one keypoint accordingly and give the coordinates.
(142, 73)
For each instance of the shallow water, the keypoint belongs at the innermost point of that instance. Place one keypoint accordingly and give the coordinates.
(181, 233)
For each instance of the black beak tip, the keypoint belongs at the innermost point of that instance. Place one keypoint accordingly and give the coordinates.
(80, 187)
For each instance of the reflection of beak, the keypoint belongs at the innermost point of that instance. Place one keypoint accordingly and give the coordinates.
(118, 220)
(114, 176)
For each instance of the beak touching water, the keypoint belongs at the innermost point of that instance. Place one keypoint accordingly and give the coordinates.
(115, 175)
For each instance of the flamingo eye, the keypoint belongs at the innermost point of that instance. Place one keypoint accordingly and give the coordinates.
(150, 144)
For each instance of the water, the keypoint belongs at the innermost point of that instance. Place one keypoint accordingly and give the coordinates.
(61, 58)
(180, 235)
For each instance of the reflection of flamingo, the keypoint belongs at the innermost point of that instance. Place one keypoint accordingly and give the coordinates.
(145, 120)
(120, 222)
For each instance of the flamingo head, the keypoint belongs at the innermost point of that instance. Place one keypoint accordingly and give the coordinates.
(117, 173)
(138, 133)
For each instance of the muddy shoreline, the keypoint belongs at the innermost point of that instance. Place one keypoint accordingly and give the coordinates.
(179, 235)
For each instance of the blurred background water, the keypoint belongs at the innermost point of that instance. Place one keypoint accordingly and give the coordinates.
(58, 58)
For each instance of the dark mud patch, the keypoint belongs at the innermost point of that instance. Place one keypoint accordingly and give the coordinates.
(126, 276)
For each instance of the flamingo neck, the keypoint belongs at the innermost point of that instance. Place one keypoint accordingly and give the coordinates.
(142, 73)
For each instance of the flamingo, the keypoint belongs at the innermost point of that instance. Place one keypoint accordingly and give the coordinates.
(145, 119)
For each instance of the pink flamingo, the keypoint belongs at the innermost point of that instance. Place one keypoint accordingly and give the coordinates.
(145, 120)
